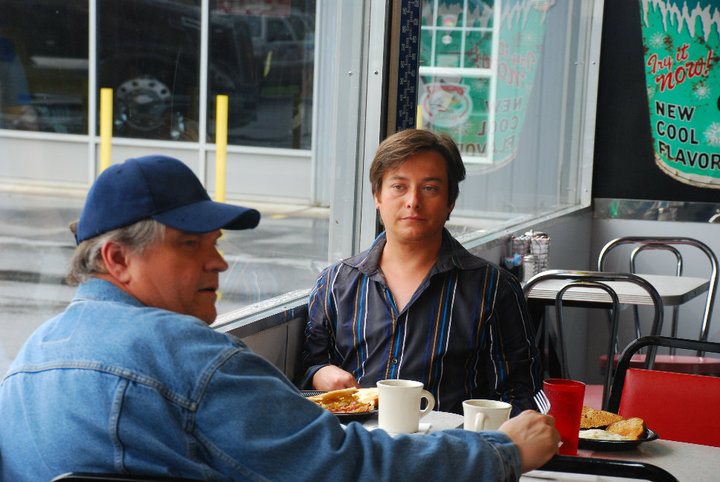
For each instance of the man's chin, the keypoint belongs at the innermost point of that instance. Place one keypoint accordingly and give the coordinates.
(411, 234)
(207, 315)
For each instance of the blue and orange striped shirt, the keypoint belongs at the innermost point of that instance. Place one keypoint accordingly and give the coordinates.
(465, 333)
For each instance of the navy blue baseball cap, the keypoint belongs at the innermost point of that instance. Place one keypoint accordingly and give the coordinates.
(161, 188)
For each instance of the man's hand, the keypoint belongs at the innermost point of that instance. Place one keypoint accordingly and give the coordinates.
(536, 437)
(331, 377)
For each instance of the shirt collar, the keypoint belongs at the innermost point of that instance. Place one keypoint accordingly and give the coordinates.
(452, 255)
(98, 289)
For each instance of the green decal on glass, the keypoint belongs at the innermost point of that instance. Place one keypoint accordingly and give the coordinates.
(477, 68)
(682, 52)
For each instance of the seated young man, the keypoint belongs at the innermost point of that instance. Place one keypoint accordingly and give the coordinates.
(417, 305)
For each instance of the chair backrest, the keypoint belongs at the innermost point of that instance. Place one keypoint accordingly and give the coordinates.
(666, 242)
(677, 406)
(613, 327)
(597, 281)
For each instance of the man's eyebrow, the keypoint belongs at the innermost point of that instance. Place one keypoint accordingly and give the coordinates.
(397, 177)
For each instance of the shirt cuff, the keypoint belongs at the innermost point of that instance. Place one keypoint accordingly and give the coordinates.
(309, 374)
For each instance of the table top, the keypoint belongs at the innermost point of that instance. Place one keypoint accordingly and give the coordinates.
(673, 290)
(687, 462)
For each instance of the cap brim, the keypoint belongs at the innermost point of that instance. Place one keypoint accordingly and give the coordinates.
(206, 216)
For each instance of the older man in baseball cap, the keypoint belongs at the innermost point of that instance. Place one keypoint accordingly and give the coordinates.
(130, 379)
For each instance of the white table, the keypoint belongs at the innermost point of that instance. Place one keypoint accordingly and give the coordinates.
(687, 462)
(673, 290)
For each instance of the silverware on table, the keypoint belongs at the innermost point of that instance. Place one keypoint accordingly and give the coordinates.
(542, 402)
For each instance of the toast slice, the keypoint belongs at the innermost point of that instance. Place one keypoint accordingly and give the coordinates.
(634, 428)
(368, 395)
(343, 401)
(592, 418)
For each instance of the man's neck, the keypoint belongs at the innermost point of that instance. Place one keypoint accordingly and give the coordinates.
(405, 266)
(411, 254)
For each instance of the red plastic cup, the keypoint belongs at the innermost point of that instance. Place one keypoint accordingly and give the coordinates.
(566, 401)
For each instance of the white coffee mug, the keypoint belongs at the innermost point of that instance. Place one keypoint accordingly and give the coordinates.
(399, 404)
(479, 414)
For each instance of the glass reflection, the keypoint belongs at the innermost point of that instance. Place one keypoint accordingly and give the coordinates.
(149, 54)
(281, 37)
(43, 65)
(483, 108)
(148, 51)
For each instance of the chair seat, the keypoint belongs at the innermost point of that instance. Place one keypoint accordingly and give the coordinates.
(696, 365)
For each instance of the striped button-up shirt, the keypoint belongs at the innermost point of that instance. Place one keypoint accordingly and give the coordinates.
(465, 333)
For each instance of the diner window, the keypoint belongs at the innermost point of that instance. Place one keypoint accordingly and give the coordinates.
(512, 81)
(43, 70)
(265, 61)
(148, 54)
(507, 79)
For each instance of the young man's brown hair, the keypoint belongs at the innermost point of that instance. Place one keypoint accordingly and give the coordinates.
(397, 148)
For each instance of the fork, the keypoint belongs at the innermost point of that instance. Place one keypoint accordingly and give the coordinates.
(542, 402)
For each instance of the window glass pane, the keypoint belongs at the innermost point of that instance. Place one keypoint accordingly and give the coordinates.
(495, 76)
(43, 71)
(272, 76)
(149, 54)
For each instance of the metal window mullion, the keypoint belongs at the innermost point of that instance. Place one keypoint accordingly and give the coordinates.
(562, 132)
(345, 116)
(494, 61)
(203, 97)
(590, 103)
(374, 110)
(92, 89)
(433, 60)
(463, 32)
(316, 197)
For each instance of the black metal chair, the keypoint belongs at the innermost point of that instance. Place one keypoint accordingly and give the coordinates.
(611, 349)
(668, 243)
(608, 467)
(598, 282)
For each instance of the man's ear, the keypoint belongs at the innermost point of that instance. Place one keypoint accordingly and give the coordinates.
(115, 258)
(450, 209)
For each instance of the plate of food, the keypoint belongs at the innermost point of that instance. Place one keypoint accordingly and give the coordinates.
(347, 404)
(604, 431)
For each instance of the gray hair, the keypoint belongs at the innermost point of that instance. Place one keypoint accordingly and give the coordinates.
(88, 261)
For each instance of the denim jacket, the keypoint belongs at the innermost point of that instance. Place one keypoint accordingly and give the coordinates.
(111, 385)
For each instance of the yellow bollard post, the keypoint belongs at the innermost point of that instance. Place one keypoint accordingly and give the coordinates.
(418, 117)
(106, 116)
(221, 123)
